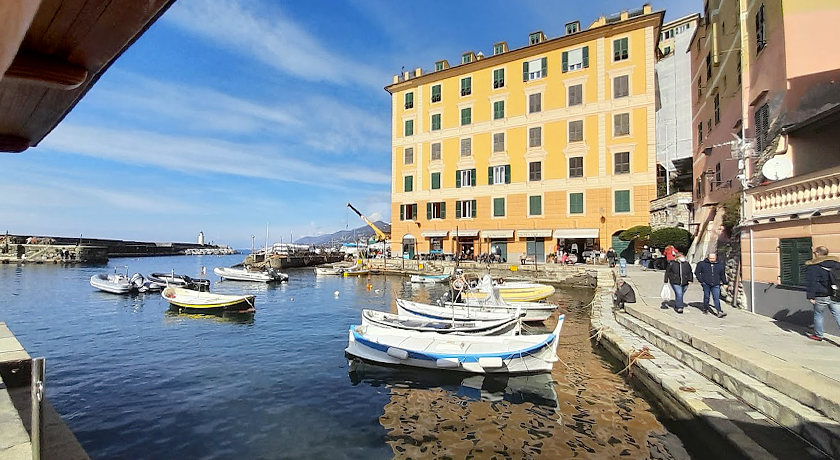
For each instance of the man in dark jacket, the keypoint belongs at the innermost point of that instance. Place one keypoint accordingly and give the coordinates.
(819, 289)
(711, 274)
(644, 258)
(678, 275)
(623, 293)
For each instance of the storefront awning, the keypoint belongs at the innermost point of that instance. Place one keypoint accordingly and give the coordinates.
(463, 233)
(534, 233)
(573, 233)
(497, 233)
(435, 234)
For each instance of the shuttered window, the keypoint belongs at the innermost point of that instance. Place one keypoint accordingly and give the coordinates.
(575, 95)
(535, 69)
(498, 174)
(435, 181)
(409, 128)
(409, 100)
(435, 151)
(534, 103)
(621, 124)
(535, 137)
(436, 93)
(436, 210)
(576, 203)
(466, 116)
(793, 252)
(498, 207)
(408, 186)
(576, 131)
(620, 49)
(466, 86)
(535, 205)
(465, 209)
(408, 211)
(435, 122)
(499, 78)
(621, 86)
(498, 110)
(576, 167)
(464, 178)
(498, 142)
(535, 171)
(622, 201)
(762, 127)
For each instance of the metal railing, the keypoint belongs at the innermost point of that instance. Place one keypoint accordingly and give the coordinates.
(36, 400)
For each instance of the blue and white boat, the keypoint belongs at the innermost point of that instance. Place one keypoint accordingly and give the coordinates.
(429, 278)
(477, 354)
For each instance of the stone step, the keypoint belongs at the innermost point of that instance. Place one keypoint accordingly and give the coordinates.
(816, 428)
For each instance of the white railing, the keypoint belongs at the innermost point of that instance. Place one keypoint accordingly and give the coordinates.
(810, 192)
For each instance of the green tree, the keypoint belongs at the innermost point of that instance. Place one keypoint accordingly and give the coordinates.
(679, 238)
(639, 231)
(732, 212)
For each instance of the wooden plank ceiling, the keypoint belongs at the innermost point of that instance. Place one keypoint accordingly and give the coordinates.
(68, 46)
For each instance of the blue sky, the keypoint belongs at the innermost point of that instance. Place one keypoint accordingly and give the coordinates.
(230, 114)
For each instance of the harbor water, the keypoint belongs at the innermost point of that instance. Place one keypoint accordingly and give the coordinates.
(134, 380)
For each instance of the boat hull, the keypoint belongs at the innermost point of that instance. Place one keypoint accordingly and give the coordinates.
(233, 274)
(519, 292)
(110, 285)
(429, 278)
(431, 326)
(472, 312)
(195, 302)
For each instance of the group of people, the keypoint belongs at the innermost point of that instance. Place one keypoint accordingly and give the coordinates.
(710, 273)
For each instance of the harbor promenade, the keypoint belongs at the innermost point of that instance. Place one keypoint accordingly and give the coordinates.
(758, 383)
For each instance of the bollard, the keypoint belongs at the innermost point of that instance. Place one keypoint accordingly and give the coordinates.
(36, 391)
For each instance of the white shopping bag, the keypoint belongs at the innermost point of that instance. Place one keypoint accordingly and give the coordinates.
(666, 292)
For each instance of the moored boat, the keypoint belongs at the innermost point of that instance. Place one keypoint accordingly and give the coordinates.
(329, 270)
(516, 291)
(472, 312)
(267, 275)
(356, 271)
(508, 326)
(117, 283)
(429, 278)
(476, 354)
(162, 280)
(192, 301)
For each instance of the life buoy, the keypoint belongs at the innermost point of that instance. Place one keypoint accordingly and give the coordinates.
(459, 284)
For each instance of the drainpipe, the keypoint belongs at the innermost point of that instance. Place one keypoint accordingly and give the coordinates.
(752, 273)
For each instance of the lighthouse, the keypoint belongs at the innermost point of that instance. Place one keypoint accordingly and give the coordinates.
(201, 238)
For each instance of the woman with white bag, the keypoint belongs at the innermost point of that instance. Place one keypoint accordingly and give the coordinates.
(678, 275)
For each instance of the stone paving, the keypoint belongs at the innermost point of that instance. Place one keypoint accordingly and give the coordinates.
(14, 439)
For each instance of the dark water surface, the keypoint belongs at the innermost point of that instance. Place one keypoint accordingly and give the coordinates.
(134, 381)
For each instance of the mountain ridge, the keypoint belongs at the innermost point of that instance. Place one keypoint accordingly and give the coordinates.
(345, 236)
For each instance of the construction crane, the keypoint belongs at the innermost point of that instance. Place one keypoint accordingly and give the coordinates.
(380, 235)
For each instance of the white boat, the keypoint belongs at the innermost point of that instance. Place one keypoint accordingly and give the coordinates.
(117, 283)
(246, 274)
(512, 291)
(329, 270)
(429, 278)
(530, 313)
(189, 300)
(510, 326)
(477, 354)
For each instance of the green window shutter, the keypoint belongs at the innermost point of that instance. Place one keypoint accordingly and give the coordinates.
(622, 201)
(489, 175)
(443, 210)
(472, 177)
(436, 180)
(408, 186)
(525, 71)
(457, 209)
(402, 212)
(616, 50)
(576, 203)
(565, 61)
(457, 179)
(428, 211)
(793, 253)
(535, 205)
(474, 209)
(414, 210)
(507, 174)
(498, 207)
(803, 254)
(585, 56)
(787, 254)
(544, 67)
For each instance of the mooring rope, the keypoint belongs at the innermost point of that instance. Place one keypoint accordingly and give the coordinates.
(634, 356)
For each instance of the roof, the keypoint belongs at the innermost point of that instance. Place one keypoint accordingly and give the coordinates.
(815, 121)
(69, 44)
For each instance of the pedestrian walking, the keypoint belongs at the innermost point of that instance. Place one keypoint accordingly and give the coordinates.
(678, 275)
(670, 253)
(645, 257)
(611, 256)
(821, 289)
(711, 274)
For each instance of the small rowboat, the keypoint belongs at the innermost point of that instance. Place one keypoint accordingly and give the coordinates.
(473, 312)
(356, 272)
(329, 270)
(515, 291)
(196, 302)
(429, 278)
(411, 323)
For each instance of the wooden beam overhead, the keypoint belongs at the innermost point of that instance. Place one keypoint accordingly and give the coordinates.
(13, 144)
(46, 71)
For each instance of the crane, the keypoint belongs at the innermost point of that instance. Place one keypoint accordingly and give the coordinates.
(380, 235)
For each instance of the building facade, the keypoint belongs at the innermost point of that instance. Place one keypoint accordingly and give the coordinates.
(515, 154)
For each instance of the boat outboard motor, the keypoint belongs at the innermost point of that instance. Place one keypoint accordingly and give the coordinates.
(137, 281)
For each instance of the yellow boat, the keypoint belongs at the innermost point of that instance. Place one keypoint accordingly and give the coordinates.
(511, 291)
(196, 302)
(356, 272)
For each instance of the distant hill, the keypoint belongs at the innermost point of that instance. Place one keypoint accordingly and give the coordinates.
(345, 236)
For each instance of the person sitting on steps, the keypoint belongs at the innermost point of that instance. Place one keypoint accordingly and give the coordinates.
(623, 293)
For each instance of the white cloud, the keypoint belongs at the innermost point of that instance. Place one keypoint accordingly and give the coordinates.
(274, 38)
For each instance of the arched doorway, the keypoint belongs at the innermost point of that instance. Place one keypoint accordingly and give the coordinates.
(409, 246)
(623, 248)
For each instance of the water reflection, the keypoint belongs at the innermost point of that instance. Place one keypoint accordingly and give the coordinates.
(173, 315)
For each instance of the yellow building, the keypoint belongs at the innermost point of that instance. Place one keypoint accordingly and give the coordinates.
(519, 152)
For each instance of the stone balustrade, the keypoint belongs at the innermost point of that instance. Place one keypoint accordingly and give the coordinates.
(807, 193)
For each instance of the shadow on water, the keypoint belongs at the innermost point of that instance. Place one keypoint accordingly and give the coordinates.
(222, 317)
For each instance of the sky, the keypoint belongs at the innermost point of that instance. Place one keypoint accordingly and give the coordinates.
(231, 116)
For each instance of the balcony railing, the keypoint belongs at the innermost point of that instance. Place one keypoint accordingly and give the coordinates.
(807, 193)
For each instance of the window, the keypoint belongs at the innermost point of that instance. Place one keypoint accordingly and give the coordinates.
(739, 69)
(535, 137)
(466, 147)
(699, 88)
(408, 211)
(576, 131)
(699, 133)
(408, 155)
(572, 27)
(762, 127)
(466, 58)
(620, 49)
(466, 116)
(436, 93)
(464, 178)
(717, 174)
(534, 70)
(466, 86)
(436, 210)
(435, 181)
(498, 142)
(498, 110)
(498, 174)
(435, 151)
(465, 209)
(498, 48)
(621, 124)
(534, 102)
(709, 66)
(435, 122)
(575, 59)
(535, 205)
(709, 126)
(408, 184)
(535, 171)
(717, 109)
(622, 201)
(498, 207)
(409, 128)
(576, 167)
(621, 86)
(793, 252)
(534, 38)
(409, 100)
(760, 32)
(575, 95)
(667, 50)
(439, 66)
(499, 78)
(622, 163)
(576, 203)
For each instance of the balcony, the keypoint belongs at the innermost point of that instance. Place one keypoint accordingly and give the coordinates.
(800, 195)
